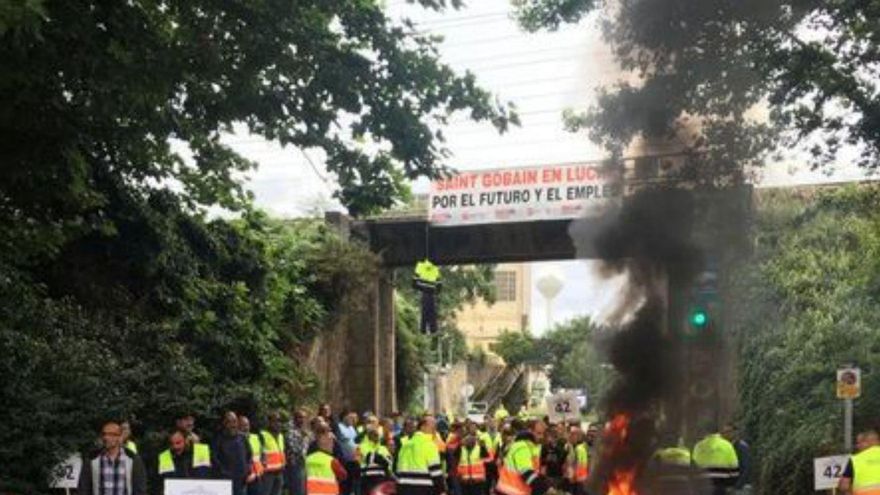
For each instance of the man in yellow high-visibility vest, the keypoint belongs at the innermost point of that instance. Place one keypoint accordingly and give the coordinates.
(273, 455)
(520, 472)
(862, 473)
(183, 460)
(255, 451)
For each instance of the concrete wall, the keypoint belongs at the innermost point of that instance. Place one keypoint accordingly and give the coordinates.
(354, 360)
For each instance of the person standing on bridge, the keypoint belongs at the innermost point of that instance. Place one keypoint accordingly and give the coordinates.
(426, 280)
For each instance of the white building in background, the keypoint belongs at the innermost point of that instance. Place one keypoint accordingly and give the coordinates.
(483, 324)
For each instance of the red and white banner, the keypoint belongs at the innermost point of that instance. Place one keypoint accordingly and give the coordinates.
(548, 192)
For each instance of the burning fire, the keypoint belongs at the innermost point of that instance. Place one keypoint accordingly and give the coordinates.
(622, 478)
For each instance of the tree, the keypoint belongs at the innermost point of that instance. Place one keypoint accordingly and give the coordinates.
(95, 93)
(517, 348)
(806, 304)
(120, 294)
(569, 349)
(705, 67)
(170, 313)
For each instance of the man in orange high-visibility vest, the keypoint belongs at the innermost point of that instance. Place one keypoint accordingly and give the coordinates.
(471, 458)
(273, 455)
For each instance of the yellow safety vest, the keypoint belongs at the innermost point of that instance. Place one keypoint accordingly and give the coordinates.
(201, 458)
(471, 466)
(427, 271)
(716, 457)
(320, 478)
(273, 450)
(418, 462)
(866, 470)
(579, 464)
(520, 468)
(131, 446)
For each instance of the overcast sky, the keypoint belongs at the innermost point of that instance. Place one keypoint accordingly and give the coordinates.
(543, 74)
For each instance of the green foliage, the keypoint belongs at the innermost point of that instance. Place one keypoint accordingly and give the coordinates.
(517, 348)
(568, 347)
(814, 63)
(119, 295)
(169, 313)
(93, 94)
(806, 305)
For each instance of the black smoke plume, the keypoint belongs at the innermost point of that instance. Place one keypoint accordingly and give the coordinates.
(650, 239)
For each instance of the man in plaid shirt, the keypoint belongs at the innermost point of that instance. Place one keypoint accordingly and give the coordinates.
(297, 442)
(112, 471)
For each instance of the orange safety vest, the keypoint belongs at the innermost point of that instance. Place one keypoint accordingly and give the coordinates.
(273, 451)
(320, 478)
(471, 467)
(520, 466)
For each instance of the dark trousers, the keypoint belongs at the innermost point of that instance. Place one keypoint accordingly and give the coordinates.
(429, 313)
(473, 488)
(273, 483)
(254, 488)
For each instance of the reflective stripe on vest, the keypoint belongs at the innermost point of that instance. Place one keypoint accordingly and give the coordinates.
(201, 458)
(519, 469)
(717, 457)
(418, 461)
(370, 466)
(471, 466)
(320, 478)
(866, 469)
(273, 450)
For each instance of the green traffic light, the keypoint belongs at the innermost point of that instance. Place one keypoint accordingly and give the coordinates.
(699, 318)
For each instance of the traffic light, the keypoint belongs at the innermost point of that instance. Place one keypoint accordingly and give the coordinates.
(702, 308)
(699, 318)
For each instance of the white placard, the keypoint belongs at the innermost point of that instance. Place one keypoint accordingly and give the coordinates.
(198, 487)
(563, 406)
(66, 474)
(828, 470)
(548, 192)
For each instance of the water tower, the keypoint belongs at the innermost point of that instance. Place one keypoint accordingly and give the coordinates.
(550, 285)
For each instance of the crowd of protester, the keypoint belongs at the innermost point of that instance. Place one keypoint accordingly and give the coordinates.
(364, 454)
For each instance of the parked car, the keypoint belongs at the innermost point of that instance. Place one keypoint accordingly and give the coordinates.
(477, 411)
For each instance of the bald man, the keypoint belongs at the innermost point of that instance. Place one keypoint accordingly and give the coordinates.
(862, 473)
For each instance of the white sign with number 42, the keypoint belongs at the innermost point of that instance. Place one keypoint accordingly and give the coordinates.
(563, 406)
(828, 470)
